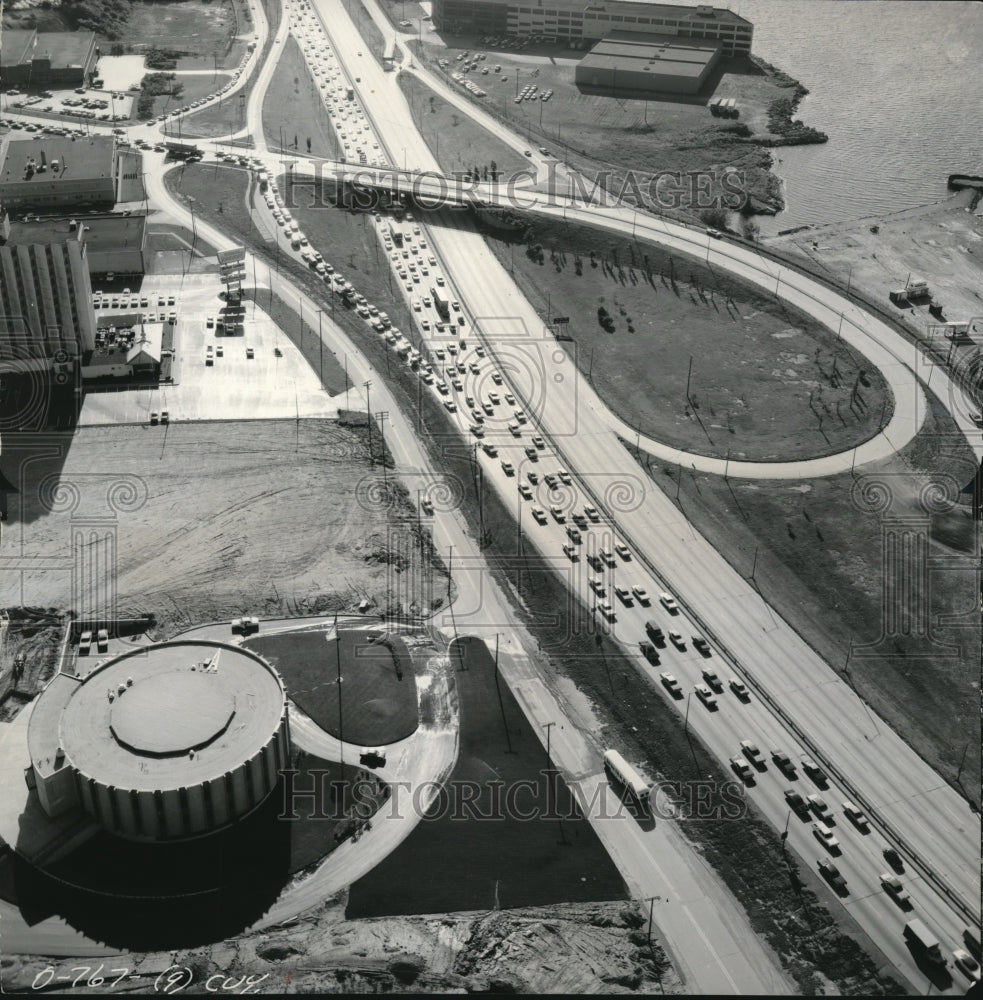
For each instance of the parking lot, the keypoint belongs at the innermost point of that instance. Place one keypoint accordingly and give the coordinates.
(275, 382)
(83, 103)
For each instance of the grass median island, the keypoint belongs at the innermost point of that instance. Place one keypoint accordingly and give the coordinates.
(489, 841)
(457, 142)
(818, 556)
(378, 702)
(766, 382)
(293, 103)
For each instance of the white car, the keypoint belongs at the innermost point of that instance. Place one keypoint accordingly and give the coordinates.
(706, 696)
(826, 838)
(671, 684)
(669, 603)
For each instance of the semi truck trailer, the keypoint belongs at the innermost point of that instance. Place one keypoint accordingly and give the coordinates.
(924, 941)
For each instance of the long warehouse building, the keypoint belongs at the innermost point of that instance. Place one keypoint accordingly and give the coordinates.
(46, 296)
(566, 19)
(653, 63)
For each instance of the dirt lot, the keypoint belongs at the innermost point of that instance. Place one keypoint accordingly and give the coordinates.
(941, 242)
(762, 375)
(224, 519)
(590, 948)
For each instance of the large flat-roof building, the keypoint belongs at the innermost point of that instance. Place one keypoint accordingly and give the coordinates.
(569, 19)
(656, 63)
(58, 172)
(114, 243)
(166, 742)
(35, 60)
(47, 321)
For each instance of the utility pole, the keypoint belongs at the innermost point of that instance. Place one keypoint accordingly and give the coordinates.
(341, 731)
(320, 347)
(368, 413)
(501, 705)
(382, 416)
(450, 557)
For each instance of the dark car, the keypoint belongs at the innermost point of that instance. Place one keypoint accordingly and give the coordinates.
(655, 633)
(892, 857)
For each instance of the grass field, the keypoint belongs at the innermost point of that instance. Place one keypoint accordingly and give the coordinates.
(481, 855)
(378, 707)
(195, 87)
(200, 29)
(229, 116)
(165, 238)
(292, 103)
(819, 564)
(766, 381)
(457, 141)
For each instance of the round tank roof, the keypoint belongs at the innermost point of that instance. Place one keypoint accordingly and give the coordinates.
(171, 715)
(151, 717)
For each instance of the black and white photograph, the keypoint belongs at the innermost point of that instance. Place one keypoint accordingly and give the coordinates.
(491, 497)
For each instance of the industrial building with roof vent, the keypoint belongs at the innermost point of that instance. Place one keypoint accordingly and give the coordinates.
(570, 20)
(165, 742)
(653, 63)
(58, 172)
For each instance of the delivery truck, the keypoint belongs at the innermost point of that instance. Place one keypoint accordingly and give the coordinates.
(924, 941)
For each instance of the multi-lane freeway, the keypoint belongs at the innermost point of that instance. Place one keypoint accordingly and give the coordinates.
(796, 704)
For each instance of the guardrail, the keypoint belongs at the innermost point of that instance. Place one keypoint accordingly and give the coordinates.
(886, 828)
(856, 795)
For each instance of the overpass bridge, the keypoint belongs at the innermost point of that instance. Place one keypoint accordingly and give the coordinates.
(428, 189)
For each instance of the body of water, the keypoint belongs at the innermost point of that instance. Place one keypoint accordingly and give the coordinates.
(898, 87)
